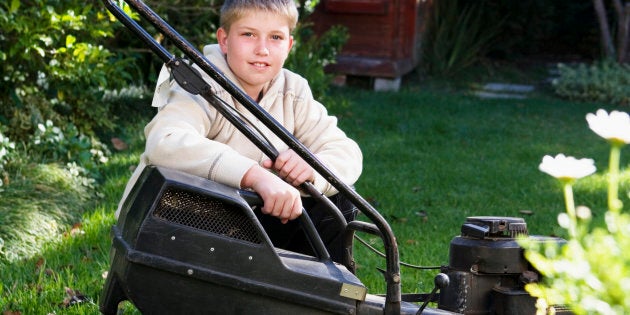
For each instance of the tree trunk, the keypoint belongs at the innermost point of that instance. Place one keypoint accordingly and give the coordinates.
(606, 38)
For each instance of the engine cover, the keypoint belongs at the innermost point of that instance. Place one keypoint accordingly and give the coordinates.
(487, 268)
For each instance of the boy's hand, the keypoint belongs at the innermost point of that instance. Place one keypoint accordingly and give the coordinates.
(279, 198)
(291, 167)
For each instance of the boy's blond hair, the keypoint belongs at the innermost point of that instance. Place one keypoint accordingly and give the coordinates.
(233, 10)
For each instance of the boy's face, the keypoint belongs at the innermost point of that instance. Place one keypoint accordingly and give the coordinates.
(256, 47)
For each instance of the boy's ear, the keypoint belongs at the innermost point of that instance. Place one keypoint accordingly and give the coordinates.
(222, 39)
(290, 42)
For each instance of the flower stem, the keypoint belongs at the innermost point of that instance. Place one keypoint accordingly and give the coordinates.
(570, 204)
(614, 204)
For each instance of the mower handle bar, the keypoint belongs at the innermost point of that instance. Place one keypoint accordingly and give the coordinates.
(392, 274)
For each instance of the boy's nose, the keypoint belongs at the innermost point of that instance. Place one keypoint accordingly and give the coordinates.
(262, 49)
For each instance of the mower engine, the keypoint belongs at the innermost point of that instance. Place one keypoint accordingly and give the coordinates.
(487, 269)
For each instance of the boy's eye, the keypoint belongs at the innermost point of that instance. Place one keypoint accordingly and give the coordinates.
(276, 37)
(248, 34)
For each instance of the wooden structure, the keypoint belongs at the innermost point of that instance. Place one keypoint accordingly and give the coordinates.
(384, 40)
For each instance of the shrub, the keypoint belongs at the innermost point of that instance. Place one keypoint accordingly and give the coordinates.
(197, 20)
(603, 81)
(54, 67)
(457, 36)
(311, 54)
(67, 145)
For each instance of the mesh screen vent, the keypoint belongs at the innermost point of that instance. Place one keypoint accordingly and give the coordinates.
(203, 213)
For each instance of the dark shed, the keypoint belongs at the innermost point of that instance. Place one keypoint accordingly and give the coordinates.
(385, 36)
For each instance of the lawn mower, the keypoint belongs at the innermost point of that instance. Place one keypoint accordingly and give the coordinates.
(187, 245)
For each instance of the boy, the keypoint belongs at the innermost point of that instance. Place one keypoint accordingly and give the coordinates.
(254, 40)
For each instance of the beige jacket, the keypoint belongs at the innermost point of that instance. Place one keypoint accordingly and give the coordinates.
(188, 134)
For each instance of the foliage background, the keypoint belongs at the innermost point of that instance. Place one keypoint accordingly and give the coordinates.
(55, 66)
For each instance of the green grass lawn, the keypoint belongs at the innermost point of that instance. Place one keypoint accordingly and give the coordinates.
(431, 158)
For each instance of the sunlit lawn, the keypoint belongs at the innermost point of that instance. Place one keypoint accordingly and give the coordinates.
(431, 159)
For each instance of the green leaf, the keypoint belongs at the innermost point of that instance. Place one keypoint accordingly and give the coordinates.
(70, 40)
(15, 5)
(40, 51)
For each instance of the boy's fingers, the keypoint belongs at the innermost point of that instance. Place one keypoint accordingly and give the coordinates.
(267, 206)
(306, 176)
(279, 210)
(297, 211)
(282, 159)
(291, 209)
(287, 169)
(267, 164)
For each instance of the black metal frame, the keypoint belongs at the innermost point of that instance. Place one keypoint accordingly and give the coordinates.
(192, 82)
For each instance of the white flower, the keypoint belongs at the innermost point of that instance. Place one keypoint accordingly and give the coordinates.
(563, 220)
(614, 127)
(583, 212)
(567, 168)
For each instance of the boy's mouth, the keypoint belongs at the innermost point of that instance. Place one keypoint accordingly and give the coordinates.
(260, 64)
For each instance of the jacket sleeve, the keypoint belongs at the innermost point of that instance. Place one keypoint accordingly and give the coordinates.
(176, 138)
(318, 131)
